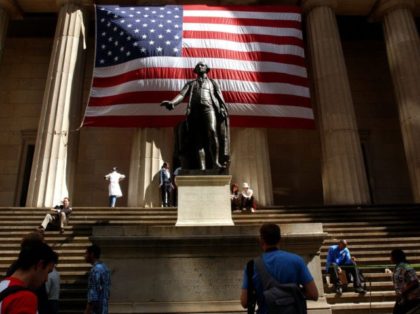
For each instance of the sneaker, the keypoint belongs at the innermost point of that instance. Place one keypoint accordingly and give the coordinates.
(360, 290)
(252, 210)
(244, 209)
(338, 290)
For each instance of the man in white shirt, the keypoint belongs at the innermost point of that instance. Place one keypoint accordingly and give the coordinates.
(114, 189)
(247, 198)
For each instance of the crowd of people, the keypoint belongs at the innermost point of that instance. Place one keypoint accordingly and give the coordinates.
(31, 284)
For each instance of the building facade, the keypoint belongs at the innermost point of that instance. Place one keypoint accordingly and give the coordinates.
(364, 67)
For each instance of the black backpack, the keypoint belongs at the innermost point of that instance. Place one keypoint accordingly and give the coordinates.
(280, 298)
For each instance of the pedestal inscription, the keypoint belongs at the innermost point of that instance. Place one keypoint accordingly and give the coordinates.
(204, 200)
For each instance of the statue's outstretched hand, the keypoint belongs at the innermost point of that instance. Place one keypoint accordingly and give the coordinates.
(168, 104)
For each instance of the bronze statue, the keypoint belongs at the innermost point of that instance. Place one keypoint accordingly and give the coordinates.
(203, 139)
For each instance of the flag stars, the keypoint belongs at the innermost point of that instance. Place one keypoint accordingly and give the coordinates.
(137, 32)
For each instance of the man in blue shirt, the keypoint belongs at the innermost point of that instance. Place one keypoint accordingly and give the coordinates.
(99, 282)
(339, 257)
(283, 266)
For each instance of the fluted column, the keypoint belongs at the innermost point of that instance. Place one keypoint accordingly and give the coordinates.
(51, 176)
(403, 50)
(150, 148)
(251, 162)
(343, 174)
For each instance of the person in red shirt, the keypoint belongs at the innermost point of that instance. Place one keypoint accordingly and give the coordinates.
(34, 263)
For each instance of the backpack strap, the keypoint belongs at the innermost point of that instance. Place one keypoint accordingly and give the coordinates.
(251, 293)
(10, 290)
(266, 279)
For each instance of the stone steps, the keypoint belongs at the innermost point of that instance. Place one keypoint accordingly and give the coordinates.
(371, 231)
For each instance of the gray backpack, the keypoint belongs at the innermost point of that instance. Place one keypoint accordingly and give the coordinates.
(280, 298)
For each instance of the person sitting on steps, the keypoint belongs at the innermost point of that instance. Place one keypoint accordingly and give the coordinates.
(59, 213)
(247, 198)
(339, 257)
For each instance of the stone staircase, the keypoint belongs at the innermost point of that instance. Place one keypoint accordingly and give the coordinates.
(371, 232)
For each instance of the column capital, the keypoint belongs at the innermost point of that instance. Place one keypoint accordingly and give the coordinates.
(383, 7)
(308, 5)
(11, 8)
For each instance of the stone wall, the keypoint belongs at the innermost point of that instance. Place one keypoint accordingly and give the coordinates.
(193, 269)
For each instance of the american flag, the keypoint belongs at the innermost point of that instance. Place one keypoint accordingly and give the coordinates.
(145, 55)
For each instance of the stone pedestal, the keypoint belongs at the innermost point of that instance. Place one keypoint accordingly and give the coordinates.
(204, 200)
(165, 269)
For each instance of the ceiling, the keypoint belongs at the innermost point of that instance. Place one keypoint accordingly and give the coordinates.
(345, 7)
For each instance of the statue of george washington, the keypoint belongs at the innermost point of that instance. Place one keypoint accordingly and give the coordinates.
(203, 138)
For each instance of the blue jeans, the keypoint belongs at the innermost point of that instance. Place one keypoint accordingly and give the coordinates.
(112, 200)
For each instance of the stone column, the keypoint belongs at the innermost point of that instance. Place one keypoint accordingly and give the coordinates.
(50, 175)
(7, 9)
(150, 148)
(403, 50)
(251, 162)
(343, 173)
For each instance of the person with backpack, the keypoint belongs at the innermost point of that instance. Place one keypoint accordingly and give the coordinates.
(17, 292)
(278, 281)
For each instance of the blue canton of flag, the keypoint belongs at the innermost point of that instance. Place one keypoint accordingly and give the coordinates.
(128, 33)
